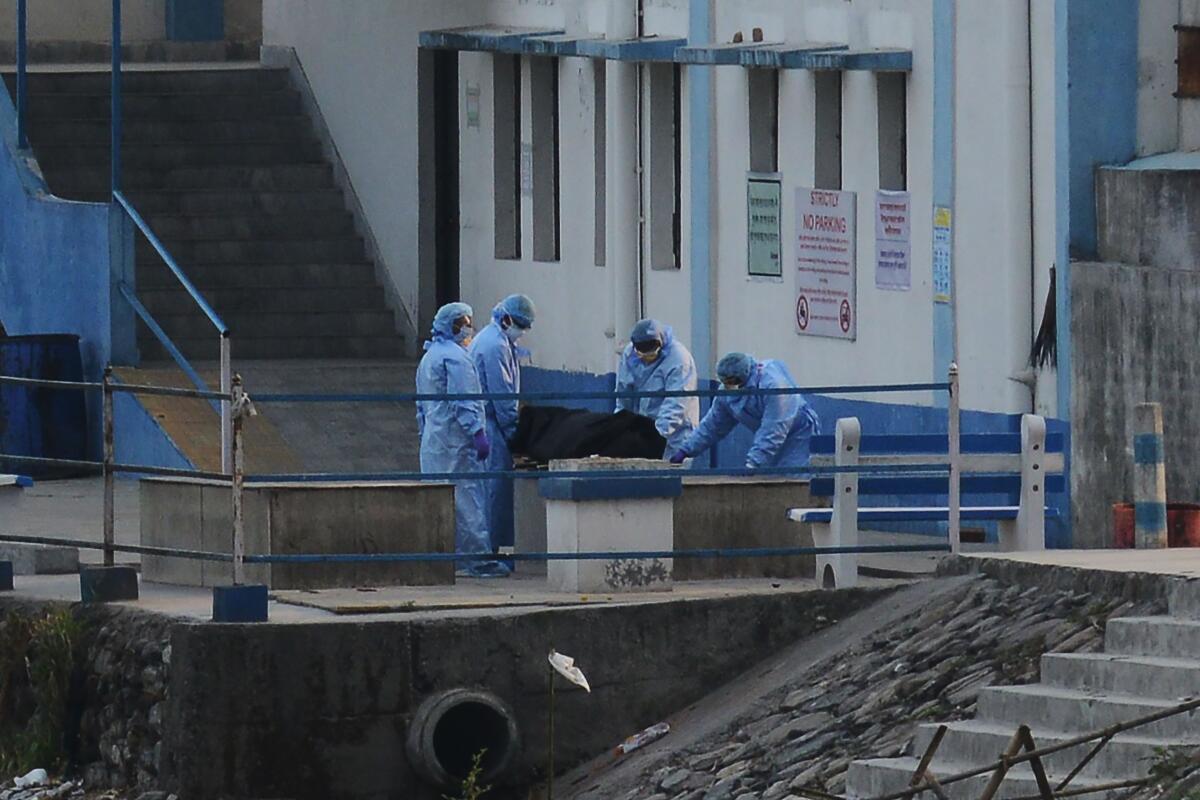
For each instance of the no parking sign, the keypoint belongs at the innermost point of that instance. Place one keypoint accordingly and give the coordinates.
(825, 263)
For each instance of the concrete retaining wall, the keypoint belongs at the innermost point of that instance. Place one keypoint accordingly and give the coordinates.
(1149, 217)
(321, 710)
(1133, 332)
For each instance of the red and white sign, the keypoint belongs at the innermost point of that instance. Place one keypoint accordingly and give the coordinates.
(825, 263)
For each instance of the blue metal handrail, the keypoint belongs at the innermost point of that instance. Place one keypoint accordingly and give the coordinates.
(408, 397)
(176, 270)
(162, 336)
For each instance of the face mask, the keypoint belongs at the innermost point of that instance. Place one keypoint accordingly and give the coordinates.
(513, 333)
(465, 335)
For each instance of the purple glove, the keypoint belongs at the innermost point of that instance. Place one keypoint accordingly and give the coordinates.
(678, 457)
(483, 448)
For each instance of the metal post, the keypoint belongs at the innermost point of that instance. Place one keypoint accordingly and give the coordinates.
(955, 458)
(109, 460)
(22, 88)
(239, 527)
(550, 741)
(1149, 477)
(226, 388)
(116, 95)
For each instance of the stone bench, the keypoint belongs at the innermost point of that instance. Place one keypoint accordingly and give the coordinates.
(294, 518)
(711, 512)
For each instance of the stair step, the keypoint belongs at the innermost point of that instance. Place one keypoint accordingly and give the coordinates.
(199, 227)
(284, 128)
(352, 347)
(266, 251)
(978, 742)
(249, 276)
(1185, 601)
(163, 106)
(1144, 676)
(192, 324)
(330, 299)
(1153, 636)
(1056, 708)
(290, 177)
(244, 54)
(880, 776)
(165, 156)
(232, 79)
(221, 202)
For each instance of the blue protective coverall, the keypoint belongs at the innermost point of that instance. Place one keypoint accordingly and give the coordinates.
(447, 428)
(784, 424)
(497, 362)
(674, 370)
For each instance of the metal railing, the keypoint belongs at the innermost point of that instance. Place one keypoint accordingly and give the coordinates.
(119, 198)
(241, 407)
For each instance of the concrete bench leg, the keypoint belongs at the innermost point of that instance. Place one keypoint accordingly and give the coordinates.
(834, 571)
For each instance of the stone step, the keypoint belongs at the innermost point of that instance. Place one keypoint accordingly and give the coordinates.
(245, 202)
(291, 177)
(979, 742)
(249, 225)
(1153, 636)
(257, 324)
(1144, 676)
(239, 275)
(235, 79)
(164, 106)
(1185, 601)
(68, 157)
(244, 54)
(1055, 708)
(349, 347)
(880, 776)
(265, 251)
(283, 128)
(243, 298)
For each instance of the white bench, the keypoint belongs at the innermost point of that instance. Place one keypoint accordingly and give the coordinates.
(990, 464)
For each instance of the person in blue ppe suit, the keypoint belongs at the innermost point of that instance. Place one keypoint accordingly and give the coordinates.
(783, 423)
(654, 361)
(453, 432)
(497, 361)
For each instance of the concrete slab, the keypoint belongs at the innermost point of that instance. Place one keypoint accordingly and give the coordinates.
(38, 559)
(308, 518)
(1181, 561)
(72, 509)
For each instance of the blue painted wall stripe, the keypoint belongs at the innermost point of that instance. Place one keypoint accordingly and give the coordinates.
(943, 174)
(1150, 516)
(1148, 449)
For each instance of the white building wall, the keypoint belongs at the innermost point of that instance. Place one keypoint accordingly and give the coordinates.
(1002, 268)
(1157, 108)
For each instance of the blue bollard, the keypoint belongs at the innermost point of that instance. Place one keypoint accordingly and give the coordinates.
(240, 603)
(6, 576)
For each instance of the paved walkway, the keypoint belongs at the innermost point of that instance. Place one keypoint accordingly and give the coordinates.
(73, 509)
(1181, 561)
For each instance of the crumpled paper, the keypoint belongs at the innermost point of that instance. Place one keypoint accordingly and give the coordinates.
(565, 666)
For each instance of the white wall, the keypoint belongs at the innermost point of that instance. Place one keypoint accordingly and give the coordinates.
(1157, 109)
(367, 90)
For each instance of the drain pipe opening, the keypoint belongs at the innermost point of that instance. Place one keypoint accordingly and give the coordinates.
(448, 729)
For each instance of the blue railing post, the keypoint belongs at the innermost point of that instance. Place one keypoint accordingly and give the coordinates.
(22, 91)
(116, 96)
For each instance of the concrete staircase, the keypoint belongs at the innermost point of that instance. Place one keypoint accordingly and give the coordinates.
(1149, 664)
(226, 168)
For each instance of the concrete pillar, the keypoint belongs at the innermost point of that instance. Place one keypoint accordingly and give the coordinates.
(1149, 477)
(623, 181)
